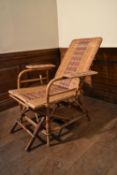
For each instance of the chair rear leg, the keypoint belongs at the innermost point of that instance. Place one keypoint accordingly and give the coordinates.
(82, 107)
(13, 128)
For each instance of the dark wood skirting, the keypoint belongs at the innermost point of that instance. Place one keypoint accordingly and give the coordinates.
(103, 85)
(12, 63)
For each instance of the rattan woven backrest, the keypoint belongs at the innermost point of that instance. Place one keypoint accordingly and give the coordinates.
(78, 58)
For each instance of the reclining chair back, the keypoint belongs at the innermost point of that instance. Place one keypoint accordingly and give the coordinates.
(78, 58)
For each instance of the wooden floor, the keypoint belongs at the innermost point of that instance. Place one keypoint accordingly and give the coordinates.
(89, 149)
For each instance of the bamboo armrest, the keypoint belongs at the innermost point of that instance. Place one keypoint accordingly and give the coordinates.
(40, 66)
(21, 74)
(79, 75)
(33, 68)
(67, 76)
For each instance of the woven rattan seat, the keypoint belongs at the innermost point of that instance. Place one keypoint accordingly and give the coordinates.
(35, 97)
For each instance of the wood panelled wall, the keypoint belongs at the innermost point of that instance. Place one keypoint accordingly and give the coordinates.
(12, 63)
(103, 85)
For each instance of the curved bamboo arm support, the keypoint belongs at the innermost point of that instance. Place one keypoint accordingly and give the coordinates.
(21, 74)
(49, 86)
(33, 68)
(67, 76)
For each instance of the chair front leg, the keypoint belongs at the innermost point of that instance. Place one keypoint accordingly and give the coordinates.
(34, 134)
(48, 123)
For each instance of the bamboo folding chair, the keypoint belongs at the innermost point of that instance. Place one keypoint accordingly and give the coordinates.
(44, 100)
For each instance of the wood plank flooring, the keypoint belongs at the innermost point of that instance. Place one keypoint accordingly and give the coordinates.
(90, 148)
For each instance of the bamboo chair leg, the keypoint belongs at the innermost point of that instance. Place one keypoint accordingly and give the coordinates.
(27, 148)
(20, 118)
(36, 131)
(13, 128)
(15, 125)
(60, 132)
(82, 107)
(48, 130)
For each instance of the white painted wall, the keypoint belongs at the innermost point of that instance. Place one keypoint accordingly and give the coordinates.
(87, 18)
(32, 24)
(28, 25)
